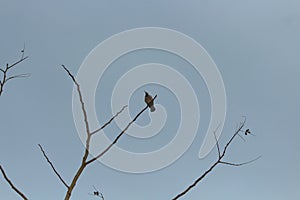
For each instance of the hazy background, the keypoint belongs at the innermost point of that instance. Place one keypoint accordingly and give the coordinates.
(255, 45)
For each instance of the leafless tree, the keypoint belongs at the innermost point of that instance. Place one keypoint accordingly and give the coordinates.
(86, 160)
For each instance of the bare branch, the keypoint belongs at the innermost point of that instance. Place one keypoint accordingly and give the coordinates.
(235, 134)
(52, 166)
(108, 122)
(219, 161)
(242, 137)
(80, 99)
(6, 69)
(12, 185)
(14, 64)
(240, 164)
(119, 136)
(87, 144)
(84, 161)
(196, 181)
(217, 142)
(18, 76)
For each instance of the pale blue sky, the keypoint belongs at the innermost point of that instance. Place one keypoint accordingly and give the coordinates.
(255, 46)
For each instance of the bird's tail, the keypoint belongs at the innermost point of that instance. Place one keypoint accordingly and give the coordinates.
(152, 108)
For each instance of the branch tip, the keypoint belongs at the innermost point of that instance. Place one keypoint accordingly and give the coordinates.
(12, 185)
(52, 166)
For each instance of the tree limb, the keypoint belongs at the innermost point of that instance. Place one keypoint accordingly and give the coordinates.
(87, 144)
(84, 161)
(219, 161)
(53, 168)
(12, 185)
(14, 64)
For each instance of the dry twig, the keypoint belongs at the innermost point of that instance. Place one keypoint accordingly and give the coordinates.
(12, 185)
(6, 77)
(52, 166)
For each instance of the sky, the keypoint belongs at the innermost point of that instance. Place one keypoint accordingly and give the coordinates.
(255, 46)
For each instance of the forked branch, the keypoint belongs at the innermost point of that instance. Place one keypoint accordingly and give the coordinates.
(219, 161)
(5, 77)
(119, 136)
(108, 122)
(89, 134)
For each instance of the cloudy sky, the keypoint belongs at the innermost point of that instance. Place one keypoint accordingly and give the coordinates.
(255, 46)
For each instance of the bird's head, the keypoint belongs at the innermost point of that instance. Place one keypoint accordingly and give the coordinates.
(146, 93)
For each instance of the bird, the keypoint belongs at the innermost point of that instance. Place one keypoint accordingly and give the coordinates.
(149, 101)
(247, 131)
(97, 193)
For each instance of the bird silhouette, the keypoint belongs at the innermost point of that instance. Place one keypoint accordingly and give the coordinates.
(149, 101)
(247, 132)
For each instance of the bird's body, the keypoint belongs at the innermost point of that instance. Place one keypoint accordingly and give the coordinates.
(149, 101)
(247, 131)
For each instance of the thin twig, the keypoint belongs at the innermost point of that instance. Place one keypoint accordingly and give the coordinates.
(108, 122)
(102, 197)
(231, 139)
(12, 185)
(18, 76)
(52, 166)
(81, 100)
(87, 144)
(217, 142)
(240, 164)
(242, 137)
(14, 64)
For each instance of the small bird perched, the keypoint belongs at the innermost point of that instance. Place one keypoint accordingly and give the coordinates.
(247, 131)
(149, 101)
